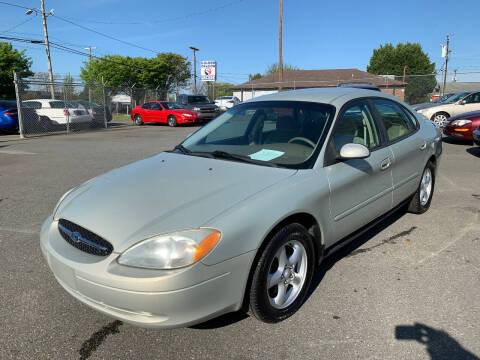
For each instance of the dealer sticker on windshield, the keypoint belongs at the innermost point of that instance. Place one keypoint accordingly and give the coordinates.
(266, 155)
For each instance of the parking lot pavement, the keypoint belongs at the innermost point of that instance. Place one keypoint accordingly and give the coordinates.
(409, 289)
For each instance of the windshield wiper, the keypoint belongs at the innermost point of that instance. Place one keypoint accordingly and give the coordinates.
(242, 158)
(182, 148)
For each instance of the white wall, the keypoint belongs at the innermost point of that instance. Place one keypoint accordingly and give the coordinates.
(247, 94)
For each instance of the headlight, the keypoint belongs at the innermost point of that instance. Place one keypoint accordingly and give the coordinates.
(171, 251)
(460, 122)
(196, 109)
(188, 115)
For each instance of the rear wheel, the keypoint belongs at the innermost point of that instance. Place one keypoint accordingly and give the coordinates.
(138, 120)
(172, 121)
(282, 275)
(423, 197)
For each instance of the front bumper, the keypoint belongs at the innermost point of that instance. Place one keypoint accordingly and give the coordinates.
(457, 132)
(144, 297)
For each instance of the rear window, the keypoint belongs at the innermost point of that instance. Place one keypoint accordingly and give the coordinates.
(57, 104)
(32, 104)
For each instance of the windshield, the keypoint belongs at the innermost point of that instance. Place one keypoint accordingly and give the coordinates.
(198, 99)
(456, 97)
(284, 133)
(171, 105)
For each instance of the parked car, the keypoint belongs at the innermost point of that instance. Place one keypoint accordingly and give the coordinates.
(59, 112)
(462, 126)
(200, 104)
(8, 116)
(226, 102)
(476, 136)
(240, 214)
(165, 112)
(99, 112)
(457, 104)
(435, 102)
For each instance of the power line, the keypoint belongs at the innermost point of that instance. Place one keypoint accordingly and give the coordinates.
(16, 26)
(14, 5)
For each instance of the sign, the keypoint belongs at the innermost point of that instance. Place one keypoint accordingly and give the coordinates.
(444, 51)
(208, 70)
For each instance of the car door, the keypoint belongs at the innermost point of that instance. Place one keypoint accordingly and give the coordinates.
(407, 145)
(157, 114)
(469, 103)
(360, 189)
(146, 112)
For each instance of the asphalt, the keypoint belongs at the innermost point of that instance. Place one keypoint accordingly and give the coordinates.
(409, 289)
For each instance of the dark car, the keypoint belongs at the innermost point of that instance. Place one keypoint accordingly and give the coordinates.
(200, 104)
(8, 116)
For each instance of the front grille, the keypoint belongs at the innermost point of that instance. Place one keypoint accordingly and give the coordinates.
(207, 110)
(84, 239)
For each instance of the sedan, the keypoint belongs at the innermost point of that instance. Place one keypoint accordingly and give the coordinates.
(8, 116)
(241, 213)
(226, 102)
(462, 126)
(165, 112)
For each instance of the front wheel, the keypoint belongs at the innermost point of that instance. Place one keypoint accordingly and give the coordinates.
(282, 275)
(172, 121)
(423, 197)
(441, 119)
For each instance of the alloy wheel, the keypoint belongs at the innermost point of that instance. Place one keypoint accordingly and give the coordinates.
(287, 274)
(440, 119)
(426, 187)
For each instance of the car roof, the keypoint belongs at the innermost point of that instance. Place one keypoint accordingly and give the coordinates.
(325, 95)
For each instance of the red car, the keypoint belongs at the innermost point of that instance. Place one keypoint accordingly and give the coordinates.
(163, 112)
(462, 126)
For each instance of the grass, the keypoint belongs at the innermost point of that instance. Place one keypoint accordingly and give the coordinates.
(121, 117)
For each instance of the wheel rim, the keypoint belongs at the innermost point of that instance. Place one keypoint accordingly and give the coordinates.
(287, 274)
(440, 120)
(426, 187)
(138, 120)
(171, 122)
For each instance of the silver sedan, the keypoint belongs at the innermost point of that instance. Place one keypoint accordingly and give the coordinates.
(240, 214)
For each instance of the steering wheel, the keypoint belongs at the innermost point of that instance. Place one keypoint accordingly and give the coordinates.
(305, 140)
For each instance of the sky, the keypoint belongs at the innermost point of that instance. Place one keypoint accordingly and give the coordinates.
(242, 35)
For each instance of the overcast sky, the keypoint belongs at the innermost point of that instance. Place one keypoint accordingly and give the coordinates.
(242, 36)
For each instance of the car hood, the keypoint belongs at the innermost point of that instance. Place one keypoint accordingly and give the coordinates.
(164, 193)
(425, 105)
(468, 115)
(203, 106)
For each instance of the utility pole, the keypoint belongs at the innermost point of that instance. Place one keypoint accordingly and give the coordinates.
(194, 70)
(404, 73)
(47, 44)
(280, 60)
(446, 65)
(455, 75)
(90, 48)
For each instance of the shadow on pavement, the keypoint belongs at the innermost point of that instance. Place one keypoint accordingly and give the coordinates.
(450, 140)
(475, 151)
(440, 345)
(221, 321)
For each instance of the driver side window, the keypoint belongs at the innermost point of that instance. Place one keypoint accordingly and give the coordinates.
(472, 99)
(356, 125)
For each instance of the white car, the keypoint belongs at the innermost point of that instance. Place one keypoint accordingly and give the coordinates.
(59, 111)
(226, 102)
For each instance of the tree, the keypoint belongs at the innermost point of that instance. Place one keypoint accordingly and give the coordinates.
(68, 87)
(256, 76)
(390, 60)
(272, 69)
(10, 60)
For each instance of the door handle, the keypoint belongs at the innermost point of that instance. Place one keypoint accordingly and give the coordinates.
(424, 146)
(385, 164)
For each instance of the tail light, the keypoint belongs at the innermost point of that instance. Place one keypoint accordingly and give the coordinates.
(66, 112)
(11, 113)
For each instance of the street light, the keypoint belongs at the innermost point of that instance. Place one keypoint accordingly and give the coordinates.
(194, 70)
(47, 44)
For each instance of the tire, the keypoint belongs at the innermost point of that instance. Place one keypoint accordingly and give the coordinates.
(172, 121)
(138, 120)
(440, 118)
(423, 196)
(270, 277)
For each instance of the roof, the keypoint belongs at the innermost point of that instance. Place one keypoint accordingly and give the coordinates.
(335, 96)
(462, 86)
(319, 78)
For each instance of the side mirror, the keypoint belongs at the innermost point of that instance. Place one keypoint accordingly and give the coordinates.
(461, 102)
(354, 151)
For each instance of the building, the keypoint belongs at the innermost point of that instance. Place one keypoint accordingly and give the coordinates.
(302, 79)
